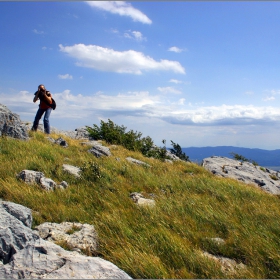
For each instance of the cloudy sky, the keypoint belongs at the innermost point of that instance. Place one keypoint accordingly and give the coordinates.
(198, 73)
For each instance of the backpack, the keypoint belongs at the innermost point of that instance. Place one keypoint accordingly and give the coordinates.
(53, 105)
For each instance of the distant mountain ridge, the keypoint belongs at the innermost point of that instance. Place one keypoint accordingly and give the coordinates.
(266, 158)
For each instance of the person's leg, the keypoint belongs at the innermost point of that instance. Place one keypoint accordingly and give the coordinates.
(38, 116)
(47, 121)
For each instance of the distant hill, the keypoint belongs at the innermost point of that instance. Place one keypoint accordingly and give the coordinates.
(266, 158)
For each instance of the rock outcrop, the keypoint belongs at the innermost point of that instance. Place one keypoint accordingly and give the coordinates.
(24, 254)
(136, 161)
(74, 170)
(78, 237)
(266, 179)
(98, 150)
(139, 199)
(11, 125)
(36, 177)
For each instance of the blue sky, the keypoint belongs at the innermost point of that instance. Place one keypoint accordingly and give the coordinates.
(198, 73)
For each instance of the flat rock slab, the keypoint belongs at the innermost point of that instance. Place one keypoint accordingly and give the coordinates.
(76, 235)
(36, 177)
(98, 150)
(140, 200)
(266, 179)
(74, 170)
(24, 254)
(136, 161)
(227, 265)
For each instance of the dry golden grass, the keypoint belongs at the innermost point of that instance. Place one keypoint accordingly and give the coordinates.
(166, 241)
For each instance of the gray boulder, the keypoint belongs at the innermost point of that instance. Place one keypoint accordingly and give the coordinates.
(264, 178)
(228, 266)
(74, 170)
(136, 161)
(47, 184)
(35, 177)
(60, 141)
(24, 254)
(30, 176)
(11, 125)
(77, 236)
(140, 200)
(98, 150)
(18, 211)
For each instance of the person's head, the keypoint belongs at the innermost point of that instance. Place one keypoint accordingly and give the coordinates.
(41, 88)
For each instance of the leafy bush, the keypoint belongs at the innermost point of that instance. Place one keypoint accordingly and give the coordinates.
(131, 140)
(91, 171)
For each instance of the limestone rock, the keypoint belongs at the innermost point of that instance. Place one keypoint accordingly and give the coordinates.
(60, 141)
(18, 211)
(63, 185)
(74, 170)
(218, 240)
(47, 184)
(76, 235)
(11, 125)
(172, 156)
(25, 255)
(136, 161)
(90, 143)
(227, 265)
(30, 176)
(139, 199)
(98, 150)
(14, 234)
(35, 177)
(266, 179)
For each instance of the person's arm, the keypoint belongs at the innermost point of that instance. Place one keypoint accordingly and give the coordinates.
(48, 96)
(36, 97)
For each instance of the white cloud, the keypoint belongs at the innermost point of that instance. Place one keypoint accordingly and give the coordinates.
(38, 32)
(169, 90)
(275, 92)
(272, 93)
(113, 30)
(181, 101)
(175, 49)
(136, 35)
(204, 125)
(143, 104)
(269, 98)
(175, 81)
(121, 8)
(216, 125)
(65, 77)
(130, 61)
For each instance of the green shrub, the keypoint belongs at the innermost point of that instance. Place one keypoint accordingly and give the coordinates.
(131, 140)
(243, 159)
(177, 151)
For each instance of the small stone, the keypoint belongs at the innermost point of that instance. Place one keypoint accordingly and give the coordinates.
(74, 170)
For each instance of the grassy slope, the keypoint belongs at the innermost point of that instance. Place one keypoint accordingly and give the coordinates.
(192, 205)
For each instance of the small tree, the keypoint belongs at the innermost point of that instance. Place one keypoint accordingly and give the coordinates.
(177, 151)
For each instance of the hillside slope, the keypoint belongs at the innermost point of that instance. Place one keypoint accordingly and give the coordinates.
(201, 226)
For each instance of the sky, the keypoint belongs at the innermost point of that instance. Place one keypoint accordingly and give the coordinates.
(199, 73)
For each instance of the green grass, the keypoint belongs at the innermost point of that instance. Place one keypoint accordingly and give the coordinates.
(166, 241)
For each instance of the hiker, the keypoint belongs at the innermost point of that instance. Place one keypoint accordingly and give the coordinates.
(45, 106)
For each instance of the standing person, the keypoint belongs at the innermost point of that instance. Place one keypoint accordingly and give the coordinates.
(44, 107)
